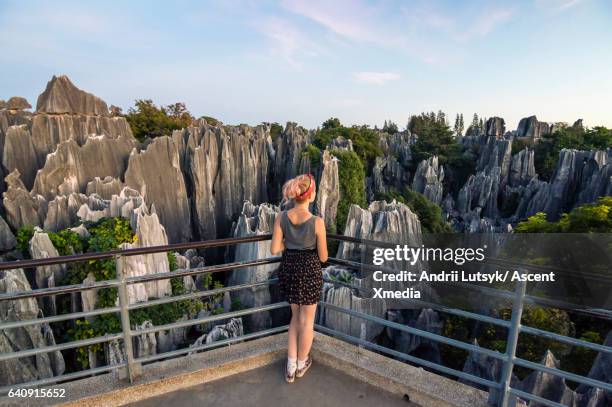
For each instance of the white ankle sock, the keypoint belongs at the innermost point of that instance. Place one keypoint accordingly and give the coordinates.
(291, 365)
(301, 363)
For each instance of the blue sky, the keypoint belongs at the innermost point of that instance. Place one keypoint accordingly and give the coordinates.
(306, 60)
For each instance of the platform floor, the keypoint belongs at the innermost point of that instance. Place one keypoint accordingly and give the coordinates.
(266, 387)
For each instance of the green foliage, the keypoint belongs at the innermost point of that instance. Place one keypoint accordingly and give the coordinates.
(519, 145)
(589, 218)
(211, 120)
(351, 175)
(313, 153)
(67, 242)
(575, 137)
(331, 123)
(430, 214)
(148, 120)
(24, 235)
(435, 137)
(275, 130)
(365, 139)
(390, 127)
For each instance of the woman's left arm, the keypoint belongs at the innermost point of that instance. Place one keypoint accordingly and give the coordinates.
(321, 239)
(277, 246)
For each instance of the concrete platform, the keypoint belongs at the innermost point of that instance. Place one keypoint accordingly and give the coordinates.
(343, 374)
(266, 386)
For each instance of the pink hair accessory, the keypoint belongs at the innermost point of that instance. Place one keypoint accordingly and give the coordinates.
(306, 194)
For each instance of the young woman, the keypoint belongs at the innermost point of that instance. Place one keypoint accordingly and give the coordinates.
(300, 236)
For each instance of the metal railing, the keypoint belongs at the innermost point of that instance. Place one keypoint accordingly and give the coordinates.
(132, 364)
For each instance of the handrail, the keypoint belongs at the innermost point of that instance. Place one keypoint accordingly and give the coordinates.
(508, 358)
(203, 244)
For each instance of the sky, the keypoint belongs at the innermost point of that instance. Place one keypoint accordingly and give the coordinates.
(249, 61)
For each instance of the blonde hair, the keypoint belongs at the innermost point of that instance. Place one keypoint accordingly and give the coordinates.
(298, 186)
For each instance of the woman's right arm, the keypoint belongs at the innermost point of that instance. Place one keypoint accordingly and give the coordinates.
(277, 246)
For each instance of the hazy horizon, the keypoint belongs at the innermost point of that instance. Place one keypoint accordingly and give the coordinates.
(244, 61)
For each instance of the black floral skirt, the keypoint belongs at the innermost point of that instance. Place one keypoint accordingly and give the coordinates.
(300, 278)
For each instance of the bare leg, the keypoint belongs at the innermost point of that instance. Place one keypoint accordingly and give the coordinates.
(292, 347)
(306, 330)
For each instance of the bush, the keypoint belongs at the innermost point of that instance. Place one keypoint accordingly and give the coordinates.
(148, 120)
(311, 152)
(365, 140)
(351, 175)
(575, 137)
(589, 218)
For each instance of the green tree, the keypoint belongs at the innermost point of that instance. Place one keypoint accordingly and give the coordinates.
(148, 120)
(351, 174)
(575, 137)
(430, 214)
(589, 218)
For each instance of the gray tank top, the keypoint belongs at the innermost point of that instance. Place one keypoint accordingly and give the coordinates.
(298, 237)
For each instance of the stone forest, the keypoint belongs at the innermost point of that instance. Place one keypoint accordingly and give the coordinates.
(80, 176)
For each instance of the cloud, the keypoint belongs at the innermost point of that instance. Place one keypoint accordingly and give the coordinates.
(558, 5)
(286, 41)
(489, 20)
(375, 78)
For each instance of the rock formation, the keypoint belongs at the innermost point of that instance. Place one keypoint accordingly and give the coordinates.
(328, 190)
(254, 220)
(71, 167)
(532, 128)
(156, 174)
(61, 96)
(17, 103)
(495, 127)
(580, 177)
(7, 238)
(42, 366)
(428, 180)
(232, 329)
(22, 208)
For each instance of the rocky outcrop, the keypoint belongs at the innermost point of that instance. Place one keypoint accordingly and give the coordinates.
(227, 165)
(232, 329)
(254, 220)
(424, 319)
(18, 103)
(61, 96)
(522, 169)
(328, 190)
(346, 298)
(42, 366)
(7, 238)
(18, 153)
(382, 221)
(105, 188)
(156, 174)
(495, 127)
(580, 177)
(62, 211)
(532, 128)
(340, 143)
(71, 167)
(41, 247)
(22, 208)
(47, 130)
(286, 162)
(387, 175)
(149, 232)
(428, 180)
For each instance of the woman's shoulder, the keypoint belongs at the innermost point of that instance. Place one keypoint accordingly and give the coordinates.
(318, 221)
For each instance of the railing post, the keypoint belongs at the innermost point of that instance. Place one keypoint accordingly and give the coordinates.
(511, 344)
(133, 368)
